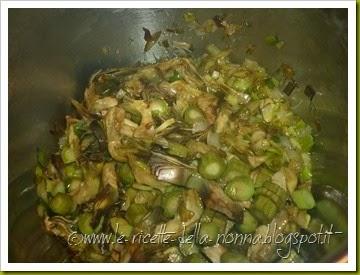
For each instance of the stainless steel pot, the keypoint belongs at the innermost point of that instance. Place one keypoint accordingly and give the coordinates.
(52, 53)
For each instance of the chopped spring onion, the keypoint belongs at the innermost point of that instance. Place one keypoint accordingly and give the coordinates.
(177, 149)
(209, 233)
(193, 115)
(54, 186)
(84, 223)
(248, 225)
(195, 181)
(159, 108)
(125, 174)
(213, 50)
(42, 157)
(61, 204)
(303, 198)
(271, 82)
(121, 227)
(235, 168)
(68, 155)
(207, 216)
(264, 209)
(80, 128)
(211, 166)
(170, 202)
(241, 84)
(135, 213)
(232, 99)
(240, 188)
(73, 171)
(274, 192)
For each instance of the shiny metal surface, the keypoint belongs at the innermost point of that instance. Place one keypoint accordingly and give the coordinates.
(52, 53)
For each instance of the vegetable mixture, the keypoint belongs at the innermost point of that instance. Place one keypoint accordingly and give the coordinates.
(184, 146)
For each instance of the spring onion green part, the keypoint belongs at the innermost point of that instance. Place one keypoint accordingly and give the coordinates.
(61, 204)
(236, 168)
(193, 115)
(211, 166)
(68, 155)
(209, 233)
(41, 157)
(264, 209)
(159, 108)
(303, 199)
(121, 227)
(240, 188)
(125, 174)
(135, 213)
(170, 203)
(177, 149)
(248, 225)
(73, 171)
(84, 223)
